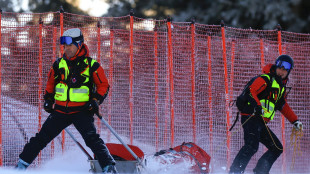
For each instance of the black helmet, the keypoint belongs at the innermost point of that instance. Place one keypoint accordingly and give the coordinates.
(285, 61)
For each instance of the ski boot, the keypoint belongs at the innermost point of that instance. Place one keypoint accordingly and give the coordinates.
(109, 169)
(21, 165)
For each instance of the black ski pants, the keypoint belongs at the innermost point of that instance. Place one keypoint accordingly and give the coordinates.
(256, 131)
(55, 123)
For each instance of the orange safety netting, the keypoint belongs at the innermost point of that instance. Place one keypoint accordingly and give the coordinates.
(171, 82)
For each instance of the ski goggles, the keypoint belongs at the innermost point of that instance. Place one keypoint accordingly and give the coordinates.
(69, 40)
(284, 64)
(66, 40)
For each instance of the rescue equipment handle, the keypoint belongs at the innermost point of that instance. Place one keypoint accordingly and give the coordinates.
(119, 138)
(80, 146)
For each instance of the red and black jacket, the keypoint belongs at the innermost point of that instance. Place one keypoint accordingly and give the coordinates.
(260, 89)
(98, 78)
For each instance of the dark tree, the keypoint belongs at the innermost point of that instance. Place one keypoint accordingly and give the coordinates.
(41, 6)
(292, 15)
(7, 5)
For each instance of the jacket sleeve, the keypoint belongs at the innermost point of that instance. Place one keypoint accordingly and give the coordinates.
(101, 83)
(258, 85)
(288, 113)
(50, 86)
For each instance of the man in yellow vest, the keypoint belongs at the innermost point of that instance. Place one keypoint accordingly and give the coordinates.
(75, 88)
(258, 102)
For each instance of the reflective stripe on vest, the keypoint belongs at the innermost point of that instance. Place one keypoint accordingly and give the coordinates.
(77, 90)
(63, 92)
(269, 106)
(60, 90)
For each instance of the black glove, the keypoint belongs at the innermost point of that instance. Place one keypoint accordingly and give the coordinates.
(93, 106)
(48, 106)
(258, 110)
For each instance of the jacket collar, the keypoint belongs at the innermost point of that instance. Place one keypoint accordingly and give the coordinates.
(271, 70)
(81, 52)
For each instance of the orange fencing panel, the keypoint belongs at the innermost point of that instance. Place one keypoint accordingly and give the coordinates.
(171, 82)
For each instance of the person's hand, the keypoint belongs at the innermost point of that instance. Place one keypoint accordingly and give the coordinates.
(48, 106)
(93, 105)
(297, 125)
(258, 110)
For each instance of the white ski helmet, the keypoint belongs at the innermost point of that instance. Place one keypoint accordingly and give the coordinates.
(72, 36)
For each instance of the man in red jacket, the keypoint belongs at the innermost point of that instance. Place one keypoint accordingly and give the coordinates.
(75, 88)
(258, 102)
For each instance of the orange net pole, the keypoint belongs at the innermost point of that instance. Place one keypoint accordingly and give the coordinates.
(193, 81)
(61, 31)
(98, 59)
(110, 79)
(53, 60)
(40, 79)
(1, 154)
(131, 80)
(282, 117)
(226, 96)
(54, 43)
(98, 43)
(233, 45)
(166, 106)
(167, 99)
(262, 57)
(279, 42)
(61, 52)
(156, 89)
(210, 94)
(170, 60)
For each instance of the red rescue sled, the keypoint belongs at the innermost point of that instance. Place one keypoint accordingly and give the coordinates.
(125, 162)
(119, 152)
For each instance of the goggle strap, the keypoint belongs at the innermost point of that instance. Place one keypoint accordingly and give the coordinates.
(80, 38)
(70, 40)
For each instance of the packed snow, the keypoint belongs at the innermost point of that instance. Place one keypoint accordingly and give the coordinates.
(75, 162)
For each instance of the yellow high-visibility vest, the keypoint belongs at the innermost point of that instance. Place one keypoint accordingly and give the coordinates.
(63, 92)
(270, 106)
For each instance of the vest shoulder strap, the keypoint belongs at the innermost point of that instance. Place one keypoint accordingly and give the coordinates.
(93, 66)
(91, 70)
(56, 68)
(56, 64)
(268, 79)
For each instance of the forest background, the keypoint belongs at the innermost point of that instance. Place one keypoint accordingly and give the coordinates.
(291, 15)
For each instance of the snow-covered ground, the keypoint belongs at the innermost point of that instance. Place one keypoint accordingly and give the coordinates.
(71, 162)
(75, 162)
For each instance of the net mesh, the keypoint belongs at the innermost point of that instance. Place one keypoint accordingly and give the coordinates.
(166, 88)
